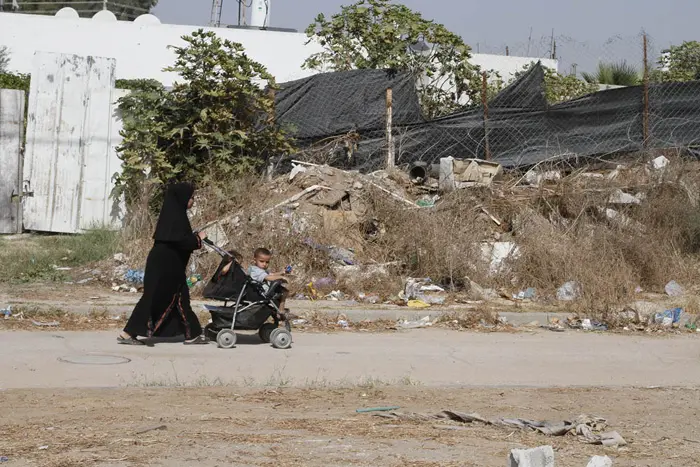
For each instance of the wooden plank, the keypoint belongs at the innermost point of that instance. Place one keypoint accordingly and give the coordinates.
(11, 130)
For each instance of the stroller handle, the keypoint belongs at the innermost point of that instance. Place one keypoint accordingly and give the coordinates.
(217, 249)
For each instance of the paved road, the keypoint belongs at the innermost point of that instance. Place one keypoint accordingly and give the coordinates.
(428, 356)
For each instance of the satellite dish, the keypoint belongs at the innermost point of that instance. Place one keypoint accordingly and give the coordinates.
(104, 16)
(147, 20)
(67, 12)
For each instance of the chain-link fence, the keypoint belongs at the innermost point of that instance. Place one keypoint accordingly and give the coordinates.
(623, 101)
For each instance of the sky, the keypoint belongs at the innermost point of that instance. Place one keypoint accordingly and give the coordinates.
(586, 31)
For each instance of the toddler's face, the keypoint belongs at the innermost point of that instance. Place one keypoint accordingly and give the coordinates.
(262, 261)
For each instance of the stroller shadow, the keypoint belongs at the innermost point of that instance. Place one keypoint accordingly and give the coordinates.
(241, 339)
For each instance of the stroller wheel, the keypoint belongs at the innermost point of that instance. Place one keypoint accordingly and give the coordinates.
(226, 339)
(281, 338)
(266, 331)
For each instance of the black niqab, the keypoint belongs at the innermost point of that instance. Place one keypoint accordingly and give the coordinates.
(173, 224)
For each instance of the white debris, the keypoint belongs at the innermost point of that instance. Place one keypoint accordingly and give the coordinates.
(600, 461)
(620, 197)
(542, 456)
(659, 163)
(496, 253)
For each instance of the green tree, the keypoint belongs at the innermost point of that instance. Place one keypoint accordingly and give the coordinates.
(123, 9)
(618, 74)
(378, 34)
(213, 125)
(679, 63)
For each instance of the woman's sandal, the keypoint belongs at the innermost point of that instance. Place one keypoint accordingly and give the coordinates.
(197, 340)
(129, 341)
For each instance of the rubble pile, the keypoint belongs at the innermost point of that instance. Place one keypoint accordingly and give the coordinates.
(337, 228)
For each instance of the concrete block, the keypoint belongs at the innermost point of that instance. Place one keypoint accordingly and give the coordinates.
(600, 461)
(542, 456)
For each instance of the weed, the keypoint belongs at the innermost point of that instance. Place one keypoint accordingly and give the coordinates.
(49, 258)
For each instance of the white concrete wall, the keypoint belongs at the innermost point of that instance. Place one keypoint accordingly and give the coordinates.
(507, 66)
(141, 49)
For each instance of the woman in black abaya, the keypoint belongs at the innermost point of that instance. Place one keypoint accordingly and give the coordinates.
(164, 309)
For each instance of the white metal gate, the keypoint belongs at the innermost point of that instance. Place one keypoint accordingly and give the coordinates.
(11, 131)
(70, 158)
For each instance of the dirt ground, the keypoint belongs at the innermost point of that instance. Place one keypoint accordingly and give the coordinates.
(319, 427)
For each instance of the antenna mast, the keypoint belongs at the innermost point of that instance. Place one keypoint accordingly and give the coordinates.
(216, 6)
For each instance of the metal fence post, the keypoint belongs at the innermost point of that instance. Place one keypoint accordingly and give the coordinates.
(390, 154)
(645, 91)
(485, 105)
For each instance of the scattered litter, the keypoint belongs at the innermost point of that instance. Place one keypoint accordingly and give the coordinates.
(343, 323)
(43, 448)
(427, 201)
(342, 255)
(299, 322)
(569, 291)
(418, 304)
(542, 456)
(600, 461)
(496, 254)
(669, 317)
(193, 279)
(527, 294)
(620, 197)
(134, 276)
(377, 409)
(421, 323)
(59, 268)
(588, 325)
(588, 429)
(323, 282)
(659, 163)
(4, 459)
(336, 296)
(533, 177)
(423, 290)
(120, 258)
(152, 428)
(46, 325)
(6, 312)
(674, 289)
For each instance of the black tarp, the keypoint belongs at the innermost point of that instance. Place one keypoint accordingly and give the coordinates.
(522, 129)
(335, 103)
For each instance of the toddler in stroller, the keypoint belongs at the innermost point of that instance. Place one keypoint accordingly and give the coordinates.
(246, 306)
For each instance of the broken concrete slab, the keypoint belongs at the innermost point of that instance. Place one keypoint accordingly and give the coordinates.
(542, 456)
(600, 461)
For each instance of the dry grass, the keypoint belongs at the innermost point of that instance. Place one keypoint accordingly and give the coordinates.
(561, 229)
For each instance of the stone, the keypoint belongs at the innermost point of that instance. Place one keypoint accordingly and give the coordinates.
(542, 456)
(600, 461)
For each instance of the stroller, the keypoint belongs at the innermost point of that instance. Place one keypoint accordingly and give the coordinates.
(246, 307)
